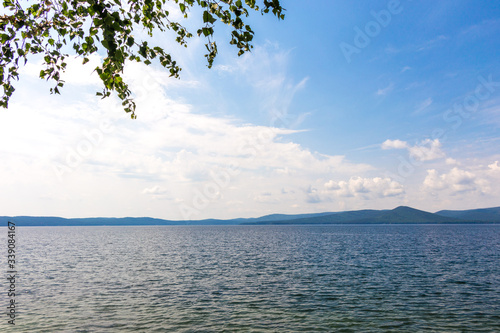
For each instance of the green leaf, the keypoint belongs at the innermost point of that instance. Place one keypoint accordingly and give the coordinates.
(208, 18)
(207, 31)
(43, 28)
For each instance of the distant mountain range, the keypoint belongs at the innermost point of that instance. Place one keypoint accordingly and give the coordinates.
(486, 214)
(399, 215)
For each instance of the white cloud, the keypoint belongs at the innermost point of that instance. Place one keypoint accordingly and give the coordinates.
(224, 68)
(156, 192)
(426, 150)
(434, 181)
(332, 185)
(494, 166)
(394, 144)
(205, 162)
(75, 73)
(455, 181)
(451, 161)
(466, 184)
(365, 188)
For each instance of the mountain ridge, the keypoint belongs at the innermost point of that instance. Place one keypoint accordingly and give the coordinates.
(398, 215)
(484, 214)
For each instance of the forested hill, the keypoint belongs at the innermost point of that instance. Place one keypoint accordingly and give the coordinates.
(399, 215)
(485, 214)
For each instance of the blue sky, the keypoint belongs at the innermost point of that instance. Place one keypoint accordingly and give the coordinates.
(343, 105)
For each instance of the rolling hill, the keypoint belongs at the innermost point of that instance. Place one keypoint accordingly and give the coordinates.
(484, 214)
(399, 215)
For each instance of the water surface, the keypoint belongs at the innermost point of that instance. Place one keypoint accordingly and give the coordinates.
(340, 278)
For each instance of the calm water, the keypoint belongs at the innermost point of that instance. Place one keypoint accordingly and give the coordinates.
(257, 279)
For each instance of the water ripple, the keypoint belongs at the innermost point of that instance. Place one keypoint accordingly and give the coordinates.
(258, 279)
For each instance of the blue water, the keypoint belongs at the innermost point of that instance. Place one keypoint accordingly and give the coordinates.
(343, 278)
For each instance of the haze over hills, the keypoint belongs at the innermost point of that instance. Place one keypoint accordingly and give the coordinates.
(399, 215)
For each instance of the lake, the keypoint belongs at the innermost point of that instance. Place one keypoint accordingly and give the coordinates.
(336, 278)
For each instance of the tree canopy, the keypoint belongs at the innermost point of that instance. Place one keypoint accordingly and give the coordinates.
(56, 28)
